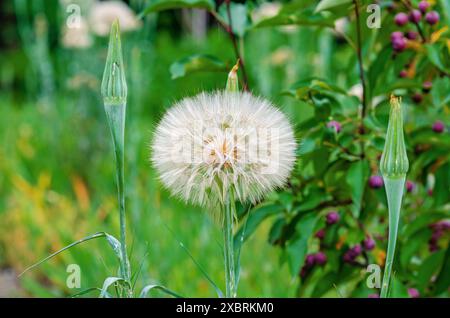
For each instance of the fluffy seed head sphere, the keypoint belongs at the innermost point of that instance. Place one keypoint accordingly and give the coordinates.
(208, 146)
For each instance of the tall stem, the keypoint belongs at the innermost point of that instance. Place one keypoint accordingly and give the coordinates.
(228, 243)
(394, 191)
(360, 60)
(116, 119)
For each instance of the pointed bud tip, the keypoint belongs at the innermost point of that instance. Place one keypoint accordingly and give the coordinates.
(114, 86)
(232, 82)
(395, 101)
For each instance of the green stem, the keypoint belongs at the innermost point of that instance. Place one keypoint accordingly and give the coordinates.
(394, 192)
(116, 120)
(230, 272)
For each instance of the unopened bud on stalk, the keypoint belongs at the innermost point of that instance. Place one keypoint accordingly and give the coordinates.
(233, 80)
(394, 161)
(114, 86)
(393, 166)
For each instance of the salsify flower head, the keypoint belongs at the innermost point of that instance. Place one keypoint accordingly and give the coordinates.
(216, 144)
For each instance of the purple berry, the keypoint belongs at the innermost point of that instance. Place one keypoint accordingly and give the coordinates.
(369, 244)
(438, 127)
(432, 17)
(320, 258)
(413, 293)
(399, 44)
(373, 296)
(396, 35)
(334, 125)
(309, 261)
(410, 186)
(403, 73)
(426, 86)
(320, 234)
(411, 35)
(332, 217)
(415, 16)
(357, 249)
(417, 98)
(348, 258)
(423, 6)
(401, 18)
(375, 182)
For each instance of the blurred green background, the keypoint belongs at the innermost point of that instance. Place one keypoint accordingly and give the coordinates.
(56, 161)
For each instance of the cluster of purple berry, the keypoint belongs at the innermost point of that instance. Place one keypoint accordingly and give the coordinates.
(352, 253)
(319, 258)
(439, 229)
(398, 38)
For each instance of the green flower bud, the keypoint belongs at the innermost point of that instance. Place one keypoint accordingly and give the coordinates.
(114, 86)
(233, 81)
(394, 161)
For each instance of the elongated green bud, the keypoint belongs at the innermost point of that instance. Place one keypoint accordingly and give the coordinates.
(394, 161)
(114, 86)
(233, 81)
(393, 166)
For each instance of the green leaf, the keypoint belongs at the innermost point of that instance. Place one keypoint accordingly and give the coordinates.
(255, 217)
(412, 245)
(196, 63)
(160, 5)
(443, 278)
(148, 288)
(434, 56)
(239, 17)
(305, 18)
(330, 4)
(297, 248)
(356, 179)
(86, 291)
(428, 268)
(107, 283)
(85, 239)
(311, 86)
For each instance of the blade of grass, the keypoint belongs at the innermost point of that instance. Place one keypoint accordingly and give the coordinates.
(85, 239)
(217, 289)
(148, 288)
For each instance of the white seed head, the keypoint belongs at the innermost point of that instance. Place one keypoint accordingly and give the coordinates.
(208, 145)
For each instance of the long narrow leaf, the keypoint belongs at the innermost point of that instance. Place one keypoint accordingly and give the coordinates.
(108, 282)
(217, 289)
(148, 288)
(85, 239)
(86, 291)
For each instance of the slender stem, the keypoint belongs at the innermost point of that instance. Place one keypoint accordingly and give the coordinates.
(116, 120)
(394, 192)
(360, 60)
(228, 240)
(229, 29)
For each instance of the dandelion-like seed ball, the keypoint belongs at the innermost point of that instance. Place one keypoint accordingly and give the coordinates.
(218, 147)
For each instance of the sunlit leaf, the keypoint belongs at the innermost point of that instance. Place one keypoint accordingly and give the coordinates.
(330, 4)
(159, 5)
(196, 63)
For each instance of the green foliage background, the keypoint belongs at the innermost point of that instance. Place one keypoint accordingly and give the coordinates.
(57, 169)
